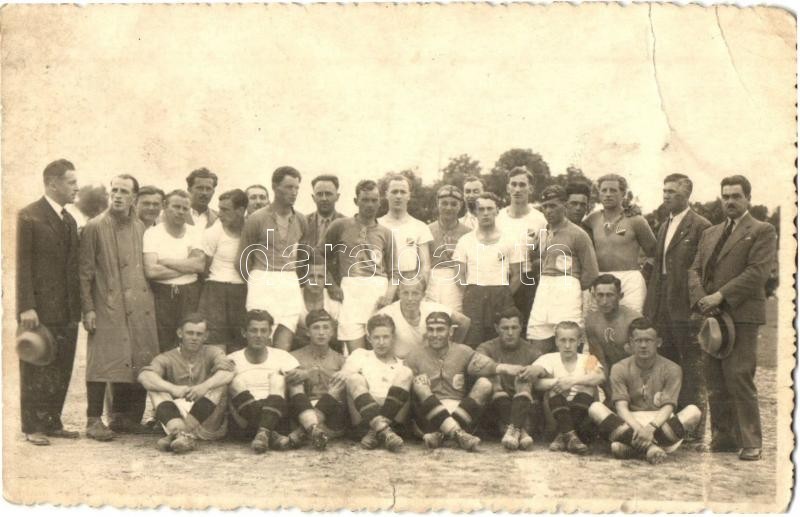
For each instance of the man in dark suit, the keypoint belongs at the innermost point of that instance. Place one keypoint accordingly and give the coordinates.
(48, 293)
(730, 269)
(667, 303)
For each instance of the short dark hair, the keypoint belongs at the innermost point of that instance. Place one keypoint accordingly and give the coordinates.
(622, 182)
(640, 324)
(681, 179)
(57, 169)
(397, 177)
(471, 179)
(368, 185)
(326, 177)
(507, 313)
(201, 173)
(737, 179)
(237, 197)
(262, 187)
(579, 188)
(282, 172)
(380, 320)
(132, 180)
(567, 325)
(608, 279)
(554, 191)
(491, 196)
(258, 315)
(177, 192)
(520, 169)
(193, 317)
(150, 190)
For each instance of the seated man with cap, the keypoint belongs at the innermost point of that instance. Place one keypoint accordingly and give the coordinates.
(317, 388)
(644, 391)
(443, 408)
(187, 388)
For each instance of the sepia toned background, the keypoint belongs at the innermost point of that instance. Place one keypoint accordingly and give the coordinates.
(156, 91)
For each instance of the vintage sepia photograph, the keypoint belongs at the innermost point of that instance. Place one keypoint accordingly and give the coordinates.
(404, 257)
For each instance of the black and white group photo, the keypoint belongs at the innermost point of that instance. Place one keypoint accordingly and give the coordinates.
(293, 265)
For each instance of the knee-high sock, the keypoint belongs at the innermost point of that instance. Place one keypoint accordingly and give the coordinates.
(301, 409)
(502, 407)
(167, 411)
(435, 416)
(367, 408)
(560, 409)
(520, 409)
(395, 400)
(202, 409)
(335, 412)
(245, 405)
(616, 430)
(272, 411)
(579, 407)
(467, 413)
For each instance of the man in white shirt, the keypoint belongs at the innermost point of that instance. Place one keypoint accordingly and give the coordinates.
(489, 266)
(201, 184)
(258, 388)
(173, 257)
(523, 223)
(224, 292)
(412, 236)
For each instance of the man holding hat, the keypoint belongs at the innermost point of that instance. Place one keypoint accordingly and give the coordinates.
(446, 230)
(48, 294)
(568, 265)
(730, 269)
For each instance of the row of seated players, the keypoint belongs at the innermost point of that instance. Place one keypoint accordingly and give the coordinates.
(279, 400)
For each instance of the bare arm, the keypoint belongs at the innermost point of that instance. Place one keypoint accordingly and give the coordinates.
(155, 271)
(194, 263)
(424, 251)
(152, 381)
(463, 323)
(645, 236)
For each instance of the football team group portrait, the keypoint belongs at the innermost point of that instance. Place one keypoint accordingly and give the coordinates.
(557, 317)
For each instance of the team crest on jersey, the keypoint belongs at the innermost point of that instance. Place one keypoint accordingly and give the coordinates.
(410, 241)
(458, 381)
(500, 256)
(658, 399)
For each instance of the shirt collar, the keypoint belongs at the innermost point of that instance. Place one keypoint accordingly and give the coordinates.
(739, 219)
(58, 208)
(679, 216)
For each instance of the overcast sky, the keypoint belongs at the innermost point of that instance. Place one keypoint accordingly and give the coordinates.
(157, 92)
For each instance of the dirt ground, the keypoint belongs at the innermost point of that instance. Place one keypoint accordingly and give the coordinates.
(130, 471)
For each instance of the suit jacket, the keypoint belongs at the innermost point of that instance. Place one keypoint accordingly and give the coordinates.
(742, 268)
(312, 237)
(47, 264)
(679, 257)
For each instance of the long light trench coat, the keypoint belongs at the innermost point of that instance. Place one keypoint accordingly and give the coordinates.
(114, 286)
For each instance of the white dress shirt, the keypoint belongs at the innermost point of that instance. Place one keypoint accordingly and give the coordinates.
(672, 225)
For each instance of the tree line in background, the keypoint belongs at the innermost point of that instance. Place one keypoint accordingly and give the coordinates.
(92, 200)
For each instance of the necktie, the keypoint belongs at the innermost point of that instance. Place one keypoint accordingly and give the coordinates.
(718, 248)
(66, 218)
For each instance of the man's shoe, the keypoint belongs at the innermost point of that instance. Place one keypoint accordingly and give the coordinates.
(64, 433)
(260, 443)
(298, 437)
(279, 442)
(655, 455)
(622, 451)
(370, 440)
(466, 441)
(37, 439)
(750, 454)
(319, 439)
(390, 439)
(183, 444)
(511, 438)
(575, 445)
(559, 444)
(433, 440)
(723, 443)
(525, 440)
(164, 444)
(97, 430)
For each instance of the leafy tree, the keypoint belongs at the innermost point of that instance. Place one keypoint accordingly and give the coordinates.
(459, 168)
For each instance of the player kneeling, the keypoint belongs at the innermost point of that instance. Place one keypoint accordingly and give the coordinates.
(513, 404)
(378, 386)
(570, 382)
(443, 408)
(258, 390)
(187, 388)
(317, 388)
(644, 390)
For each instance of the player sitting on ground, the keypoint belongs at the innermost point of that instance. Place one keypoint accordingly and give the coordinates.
(317, 388)
(378, 386)
(187, 387)
(258, 391)
(570, 381)
(645, 390)
(514, 415)
(443, 408)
